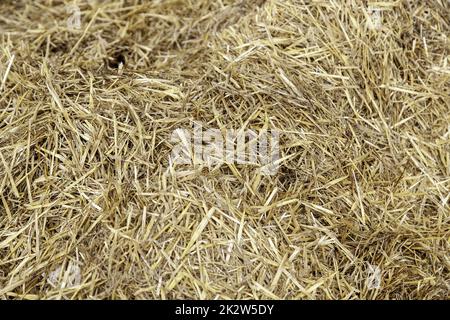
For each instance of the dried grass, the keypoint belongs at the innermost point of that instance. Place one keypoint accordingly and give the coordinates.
(84, 146)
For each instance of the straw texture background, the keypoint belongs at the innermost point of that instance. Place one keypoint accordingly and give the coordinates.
(91, 208)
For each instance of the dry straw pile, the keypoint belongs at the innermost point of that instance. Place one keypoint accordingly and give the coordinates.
(90, 206)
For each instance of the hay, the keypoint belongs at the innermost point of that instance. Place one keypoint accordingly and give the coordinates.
(91, 207)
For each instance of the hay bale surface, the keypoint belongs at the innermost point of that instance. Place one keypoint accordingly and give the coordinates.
(91, 208)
